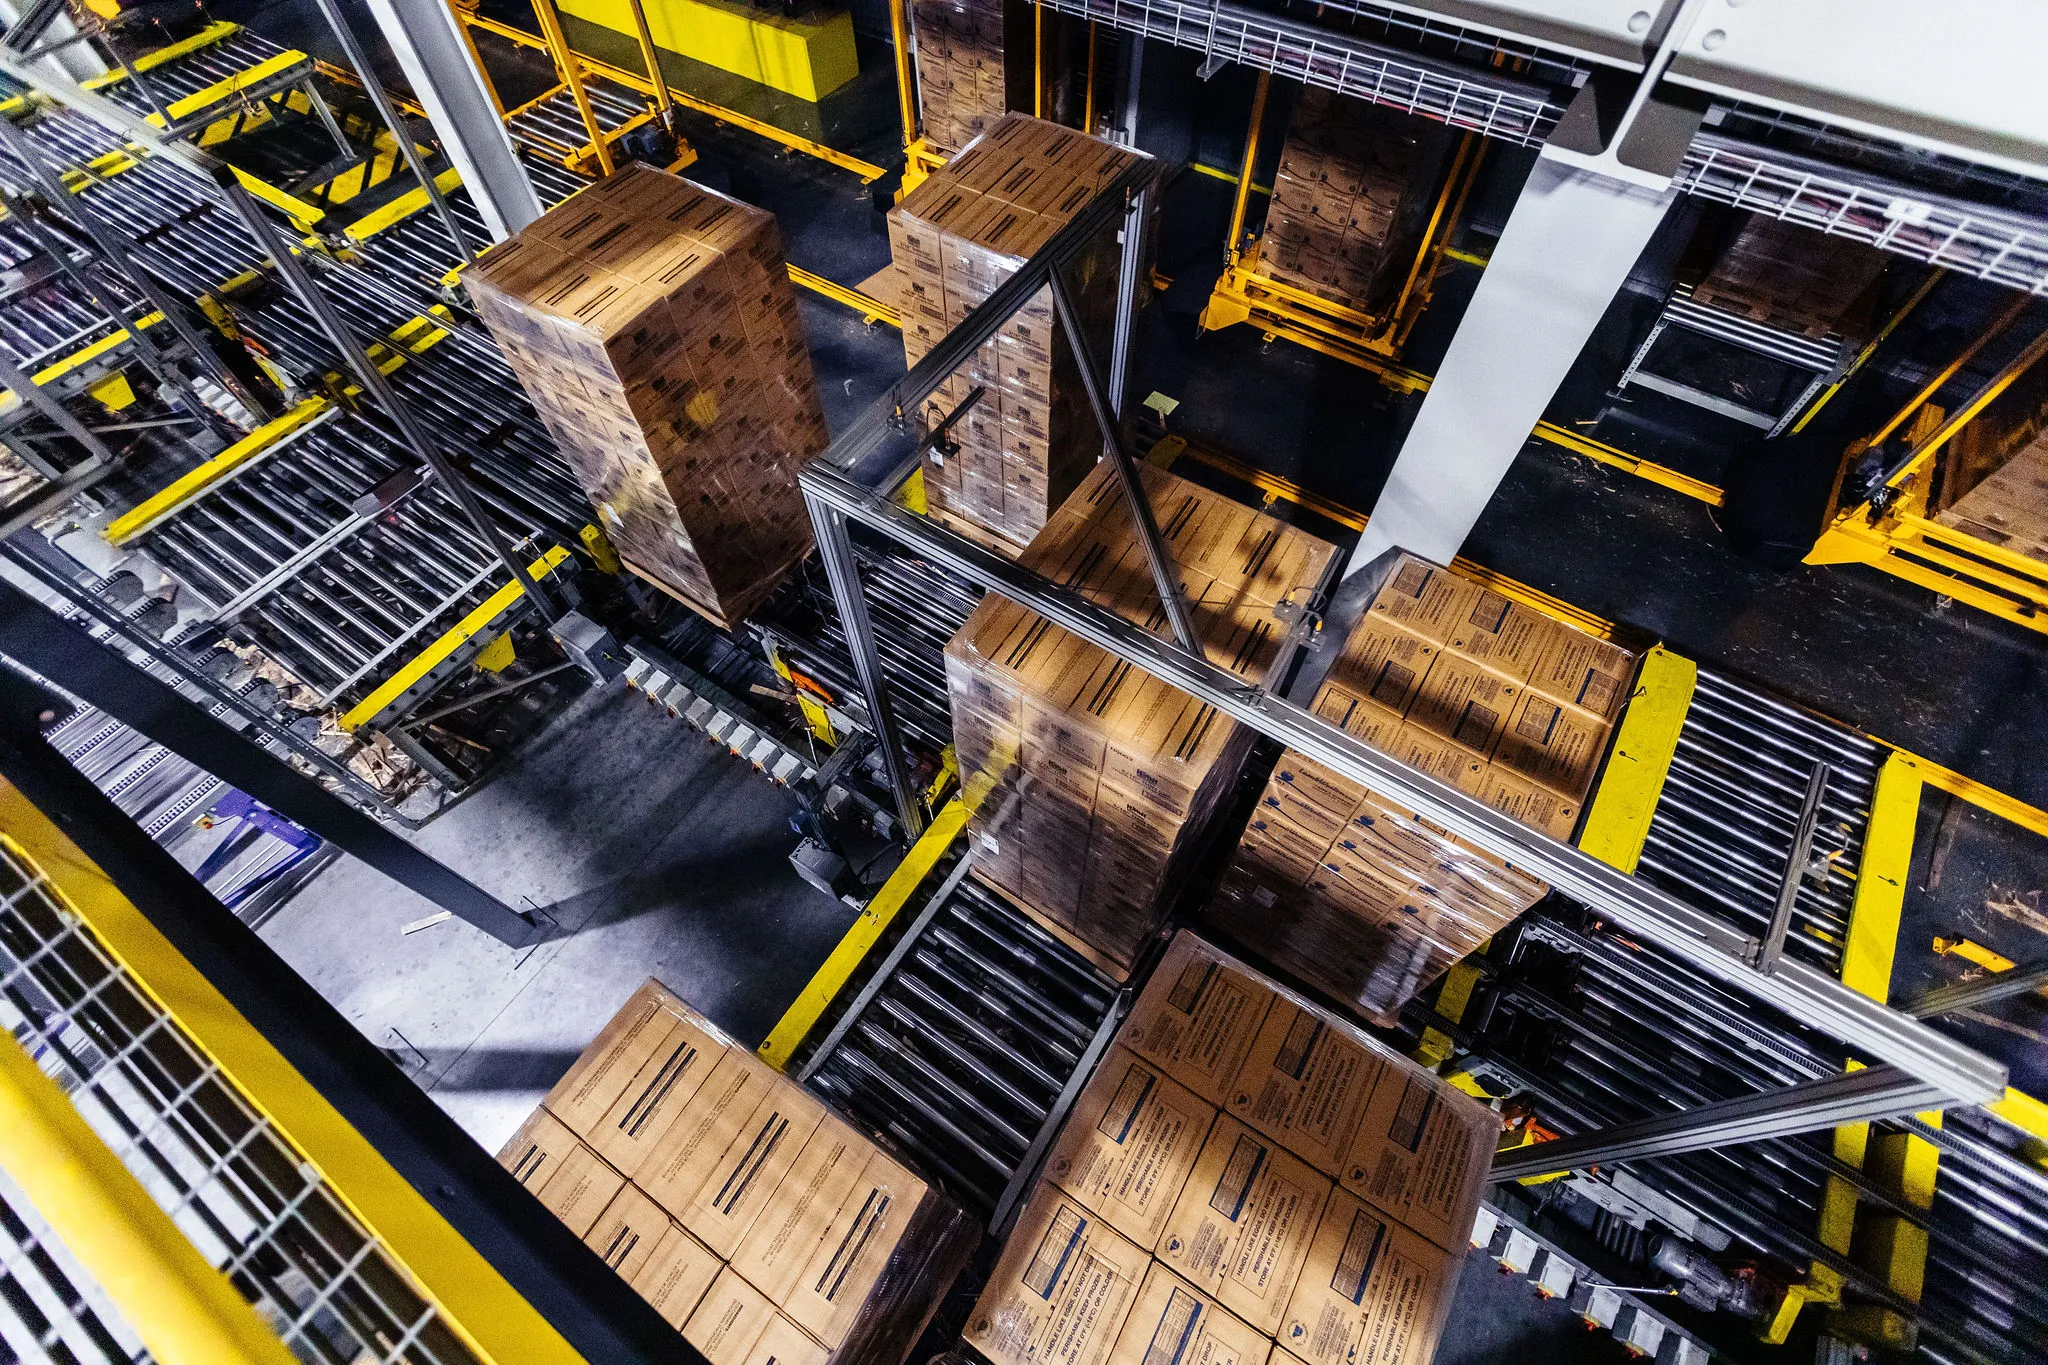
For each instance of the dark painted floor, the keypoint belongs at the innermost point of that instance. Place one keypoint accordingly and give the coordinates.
(659, 854)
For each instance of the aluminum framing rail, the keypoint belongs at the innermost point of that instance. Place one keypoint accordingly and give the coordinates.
(852, 483)
(1380, 74)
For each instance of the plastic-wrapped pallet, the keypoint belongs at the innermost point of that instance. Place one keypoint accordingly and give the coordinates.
(757, 1223)
(960, 73)
(1994, 472)
(1091, 780)
(1245, 1177)
(1030, 437)
(1367, 899)
(1793, 278)
(652, 323)
(1348, 196)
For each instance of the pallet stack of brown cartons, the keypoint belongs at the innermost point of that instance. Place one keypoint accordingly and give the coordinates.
(1030, 437)
(1248, 1172)
(761, 1227)
(1365, 898)
(960, 81)
(1090, 780)
(1994, 472)
(1350, 174)
(1792, 278)
(652, 324)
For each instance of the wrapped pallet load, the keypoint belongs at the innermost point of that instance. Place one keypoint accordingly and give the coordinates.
(1794, 278)
(1994, 472)
(652, 324)
(1367, 899)
(1245, 1178)
(1029, 438)
(960, 74)
(1090, 780)
(1349, 199)
(762, 1227)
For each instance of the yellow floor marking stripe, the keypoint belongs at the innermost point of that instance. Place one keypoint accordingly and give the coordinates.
(431, 657)
(831, 978)
(1619, 821)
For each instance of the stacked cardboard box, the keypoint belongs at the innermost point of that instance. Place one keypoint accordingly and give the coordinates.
(1792, 277)
(1090, 780)
(1994, 472)
(960, 82)
(1245, 1179)
(1030, 437)
(652, 324)
(761, 1227)
(1351, 175)
(1366, 899)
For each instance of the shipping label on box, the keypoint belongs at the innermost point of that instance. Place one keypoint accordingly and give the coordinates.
(1173, 1323)
(1197, 1018)
(1464, 702)
(836, 1283)
(1062, 1290)
(1372, 1292)
(1305, 1084)
(675, 1275)
(1384, 663)
(1425, 598)
(1128, 1145)
(627, 1232)
(1584, 671)
(1421, 1153)
(729, 1320)
(1243, 1223)
(1554, 745)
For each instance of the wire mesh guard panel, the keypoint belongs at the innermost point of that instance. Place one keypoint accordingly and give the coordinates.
(50, 1308)
(231, 1182)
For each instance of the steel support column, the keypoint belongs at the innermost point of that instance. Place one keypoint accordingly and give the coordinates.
(836, 550)
(1567, 249)
(41, 643)
(1873, 1093)
(457, 97)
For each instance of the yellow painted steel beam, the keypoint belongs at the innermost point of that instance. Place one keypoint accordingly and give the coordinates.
(219, 31)
(1976, 954)
(1619, 820)
(870, 309)
(1218, 173)
(185, 1311)
(400, 208)
(1872, 941)
(474, 1300)
(77, 360)
(1941, 559)
(229, 87)
(435, 654)
(831, 978)
(618, 75)
(180, 492)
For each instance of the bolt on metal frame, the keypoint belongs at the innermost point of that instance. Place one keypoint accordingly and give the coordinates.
(1918, 1068)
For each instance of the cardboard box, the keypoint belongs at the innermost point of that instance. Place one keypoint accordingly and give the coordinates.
(1128, 1144)
(1504, 635)
(1371, 1292)
(652, 323)
(788, 1232)
(664, 1085)
(1421, 1151)
(537, 1150)
(1426, 599)
(1465, 702)
(1197, 1017)
(697, 1140)
(1554, 745)
(1173, 1323)
(1243, 1223)
(1304, 1084)
(1586, 672)
(631, 1041)
(580, 1189)
(782, 1342)
(880, 1213)
(742, 1181)
(627, 1232)
(1062, 1290)
(1384, 663)
(729, 1321)
(676, 1274)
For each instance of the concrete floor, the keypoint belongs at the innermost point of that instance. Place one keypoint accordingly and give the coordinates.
(658, 853)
